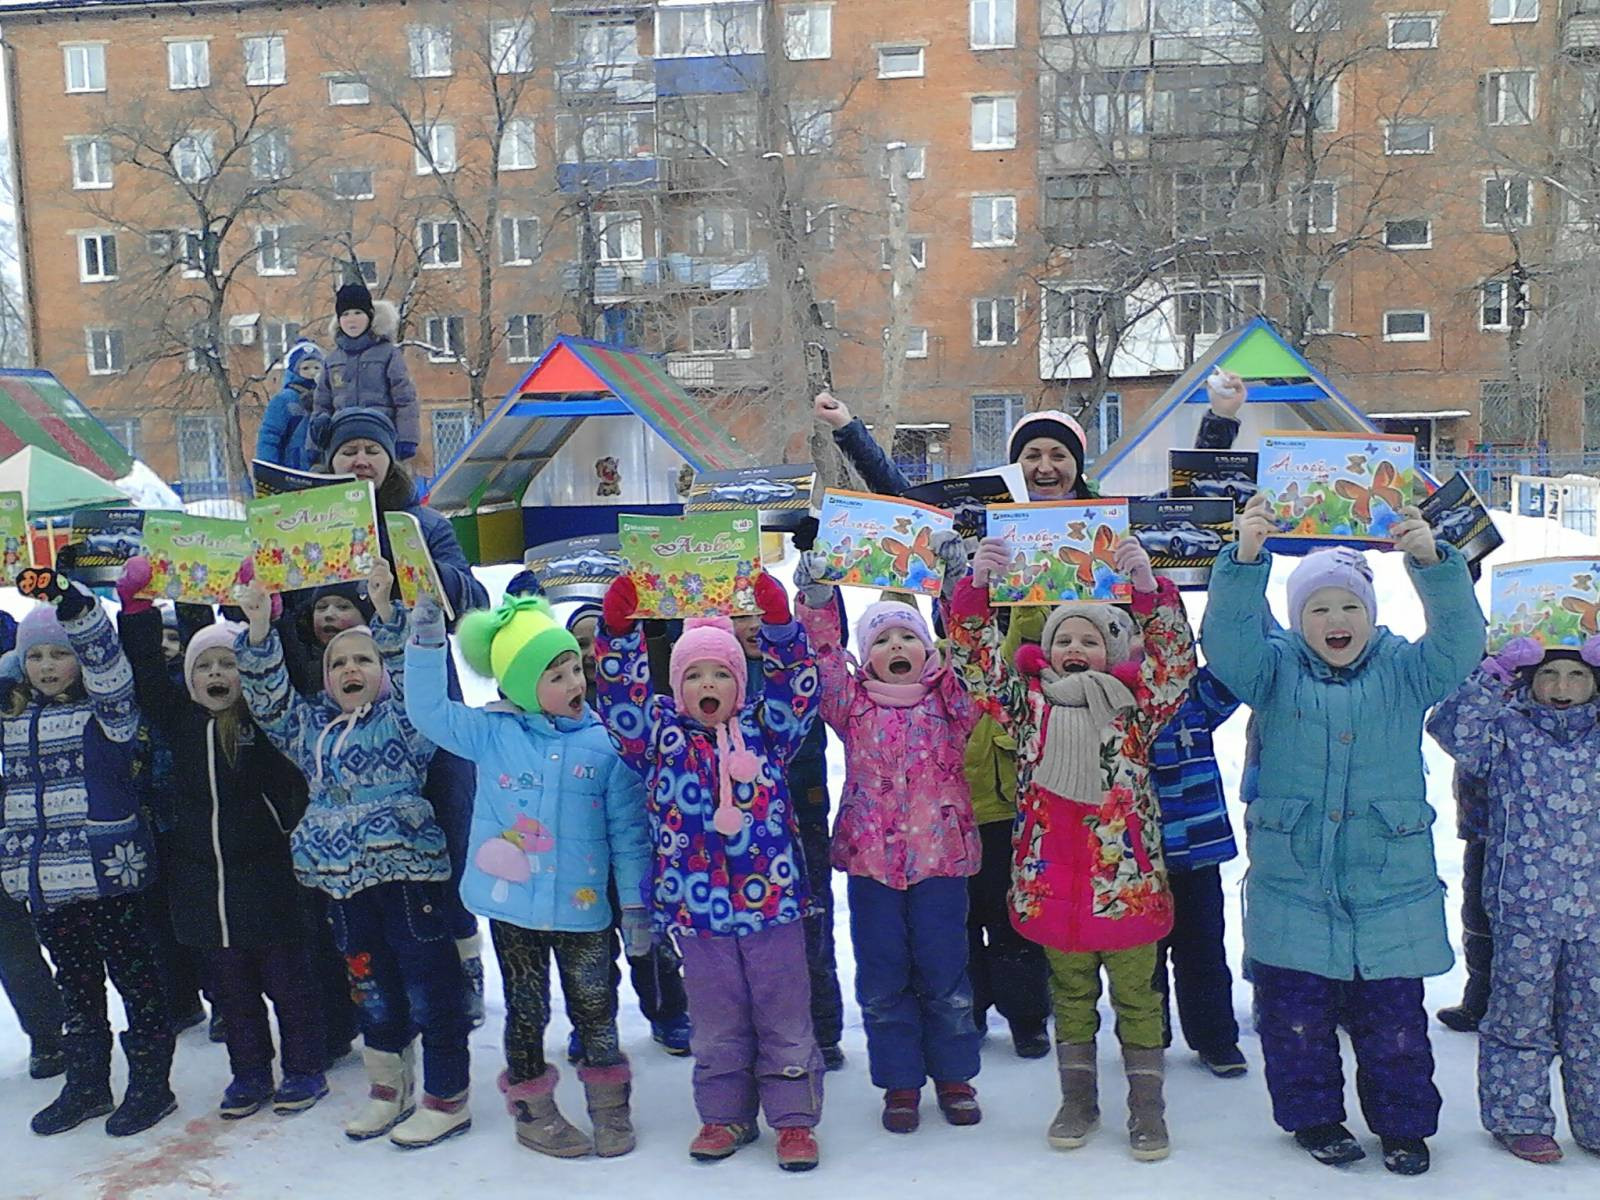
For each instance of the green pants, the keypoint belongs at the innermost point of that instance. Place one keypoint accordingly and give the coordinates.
(1075, 992)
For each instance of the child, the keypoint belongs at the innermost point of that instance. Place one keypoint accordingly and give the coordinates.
(233, 893)
(1477, 939)
(556, 812)
(369, 840)
(1538, 750)
(365, 369)
(1087, 876)
(77, 851)
(907, 840)
(1344, 911)
(282, 437)
(725, 874)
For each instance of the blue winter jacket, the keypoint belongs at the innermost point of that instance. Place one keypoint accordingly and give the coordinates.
(1342, 876)
(556, 813)
(282, 436)
(1195, 830)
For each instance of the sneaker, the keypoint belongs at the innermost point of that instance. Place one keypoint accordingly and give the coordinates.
(46, 1059)
(245, 1095)
(1226, 1063)
(1405, 1156)
(797, 1149)
(715, 1142)
(298, 1093)
(832, 1058)
(1531, 1147)
(1031, 1043)
(673, 1035)
(1332, 1144)
(901, 1110)
(1460, 1018)
(574, 1048)
(959, 1103)
(217, 1031)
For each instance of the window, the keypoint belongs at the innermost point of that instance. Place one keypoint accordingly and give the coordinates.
(86, 67)
(1413, 31)
(346, 89)
(524, 337)
(276, 338)
(519, 240)
(511, 47)
(1503, 304)
(1206, 16)
(721, 232)
(1202, 102)
(992, 419)
(1215, 198)
(451, 429)
(1206, 312)
(994, 321)
(1311, 16)
(1508, 98)
(811, 128)
(1408, 137)
(994, 220)
(106, 356)
(1083, 313)
(608, 137)
(1115, 16)
(437, 154)
(900, 62)
(916, 342)
(913, 158)
(362, 270)
(720, 329)
(91, 162)
(1507, 201)
(1405, 325)
(202, 470)
(916, 247)
(620, 236)
(599, 44)
(430, 51)
(828, 313)
(263, 60)
(275, 251)
(708, 30)
(1505, 11)
(1110, 420)
(269, 154)
(1319, 310)
(994, 122)
(97, 257)
(1317, 99)
(353, 183)
(993, 24)
(820, 227)
(188, 65)
(125, 430)
(446, 338)
(517, 149)
(198, 253)
(438, 244)
(807, 31)
(1408, 233)
(1079, 209)
(1314, 207)
(194, 157)
(1105, 104)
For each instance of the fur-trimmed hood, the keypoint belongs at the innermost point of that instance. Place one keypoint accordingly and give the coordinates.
(385, 321)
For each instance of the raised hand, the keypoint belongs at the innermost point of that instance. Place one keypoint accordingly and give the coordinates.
(1131, 560)
(620, 603)
(830, 410)
(1255, 527)
(380, 588)
(991, 559)
(1414, 536)
(256, 605)
(772, 600)
(1226, 391)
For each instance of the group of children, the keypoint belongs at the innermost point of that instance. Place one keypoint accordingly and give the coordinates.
(677, 805)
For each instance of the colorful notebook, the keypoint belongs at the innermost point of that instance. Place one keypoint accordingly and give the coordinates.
(1555, 600)
(1457, 515)
(194, 560)
(1062, 551)
(781, 493)
(14, 540)
(1212, 474)
(695, 565)
(579, 568)
(881, 542)
(1182, 536)
(1337, 487)
(309, 538)
(414, 569)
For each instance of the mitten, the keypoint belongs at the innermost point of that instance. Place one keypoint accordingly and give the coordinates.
(991, 560)
(812, 594)
(772, 600)
(952, 552)
(636, 932)
(247, 575)
(427, 622)
(969, 601)
(75, 601)
(135, 577)
(620, 603)
(1517, 653)
(1031, 660)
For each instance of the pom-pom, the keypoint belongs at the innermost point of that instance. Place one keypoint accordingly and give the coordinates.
(1127, 673)
(727, 822)
(1590, 653)
(743, 766)
(475, 633)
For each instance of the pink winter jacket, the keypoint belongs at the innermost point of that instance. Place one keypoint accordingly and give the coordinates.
(906, 812)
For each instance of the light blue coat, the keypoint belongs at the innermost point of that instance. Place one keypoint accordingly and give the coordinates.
(556, 813)
(1342, 877)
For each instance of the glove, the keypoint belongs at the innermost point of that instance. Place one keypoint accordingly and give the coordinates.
(620, 603)
(427, 622)
(247, 575)
(952, 552)
(772, 600)
(805, 533)
(1517, 653)
(75, 601)
(134, 579)
(405, 450)
(1590, 651)
(813, 594)
(636, 933)
(992, 559)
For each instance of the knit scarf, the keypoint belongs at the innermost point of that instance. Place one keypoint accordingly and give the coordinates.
(904, 695)
(1082, 704)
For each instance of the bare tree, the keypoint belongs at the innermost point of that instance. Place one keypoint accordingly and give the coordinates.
(13, 321)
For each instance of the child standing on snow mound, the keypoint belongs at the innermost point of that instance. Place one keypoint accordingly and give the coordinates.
(1344, 910)
(556, 813)
(1087, 880)
(726, 875)
(366, 369)
(907, 840)
(1529, 725)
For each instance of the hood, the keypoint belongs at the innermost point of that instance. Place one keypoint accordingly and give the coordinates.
(1563, 725)
(1321, 670)
(543, 723)
(385, 321)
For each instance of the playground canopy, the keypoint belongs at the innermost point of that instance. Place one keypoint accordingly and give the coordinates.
(52, 486)
(35, 410)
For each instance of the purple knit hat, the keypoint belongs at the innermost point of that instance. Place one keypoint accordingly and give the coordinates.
(886, 615)
(1340, 567)
(41, 627)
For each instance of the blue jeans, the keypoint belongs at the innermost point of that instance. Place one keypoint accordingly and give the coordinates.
(911, 981)
(395, 938)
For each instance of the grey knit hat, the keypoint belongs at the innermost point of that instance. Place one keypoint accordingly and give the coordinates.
(1115, 626)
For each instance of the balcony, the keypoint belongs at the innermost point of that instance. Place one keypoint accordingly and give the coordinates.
(718, 372)
(683, 175)
(632, 174)
(1580, 32)
(609, 83)
(675, 274)
(725, 75)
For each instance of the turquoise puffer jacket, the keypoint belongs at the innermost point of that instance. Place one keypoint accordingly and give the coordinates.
(1342, 877)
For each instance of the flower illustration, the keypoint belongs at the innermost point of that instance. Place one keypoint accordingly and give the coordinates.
(584, 898)
(126, 864)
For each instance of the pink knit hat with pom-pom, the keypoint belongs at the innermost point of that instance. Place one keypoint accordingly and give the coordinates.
(711, 639)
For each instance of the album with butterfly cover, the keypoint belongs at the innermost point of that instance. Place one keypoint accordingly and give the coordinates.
(1212, 475)
(783, 493)
(321, 535)
(1060, 551)
(1555, 600)
(577, 568)
(1182, 536)
(1457, 515)
(1336, 488)
(696, 565)
(881, 542)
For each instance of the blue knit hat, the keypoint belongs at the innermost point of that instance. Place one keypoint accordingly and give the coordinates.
(346, 425)
(299, 353)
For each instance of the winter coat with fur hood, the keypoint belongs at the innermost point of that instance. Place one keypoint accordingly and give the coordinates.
(369, 372)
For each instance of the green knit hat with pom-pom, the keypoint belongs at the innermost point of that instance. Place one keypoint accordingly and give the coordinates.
(515, 644)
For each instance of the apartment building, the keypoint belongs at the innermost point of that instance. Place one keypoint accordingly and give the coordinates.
(1094, 189)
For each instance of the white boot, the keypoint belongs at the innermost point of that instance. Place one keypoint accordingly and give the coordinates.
(388, 1096)
(435, 1120)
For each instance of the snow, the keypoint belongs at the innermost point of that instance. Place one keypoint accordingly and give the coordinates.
(1224, 1142)
(146, 489)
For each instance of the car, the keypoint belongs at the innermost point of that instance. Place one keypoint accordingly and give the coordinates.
(1453, 524)
(114, 545)
(1235, 485)
(755, 491)
(590, 562)
(1180, 539)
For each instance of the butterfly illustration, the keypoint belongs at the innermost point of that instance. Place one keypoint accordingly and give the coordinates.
(921, 547)
(1383, 488)
(1356, 464)
(1078, 531)
(1584, 583)
(1588, 612)
(1291, 503)
(902, 524)
(1083, 562)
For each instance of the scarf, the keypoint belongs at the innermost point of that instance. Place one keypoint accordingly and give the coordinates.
(1082, 704)
(904, 695)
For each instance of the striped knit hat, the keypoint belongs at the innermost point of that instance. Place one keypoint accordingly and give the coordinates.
(515, 643)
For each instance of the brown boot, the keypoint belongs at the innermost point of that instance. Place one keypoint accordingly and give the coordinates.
(1079, 1114)
(540, 1125)
(607, 1089)
(1147, 1125)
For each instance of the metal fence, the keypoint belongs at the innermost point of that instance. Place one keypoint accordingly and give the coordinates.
(1490, 472)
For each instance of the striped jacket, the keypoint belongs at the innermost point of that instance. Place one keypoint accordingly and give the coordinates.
(1195, 830)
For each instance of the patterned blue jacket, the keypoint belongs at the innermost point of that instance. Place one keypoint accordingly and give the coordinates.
(1195, 830)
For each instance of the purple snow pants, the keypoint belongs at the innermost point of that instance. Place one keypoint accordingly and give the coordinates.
(750, 1004)
(1298, 1017)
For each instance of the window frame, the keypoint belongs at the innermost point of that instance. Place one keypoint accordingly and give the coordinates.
(995, 123)
(1403, 247)
(91, 51)
(811, 12)
(910, 350)
(99, 155)
(430, 248)
(1394, 19)
(994, 10)
(371, 188)
(451, 347)
(280, 166)
(993, 200)
(1427, 325)
(428, 157)
(1511, 18)
(115, 349)
(1509, 297)
(523, 256)
(738, 321)
(335, 81)
(521, 133)
(995, 324)
(918, 246)
(199, 70)
(532, 345)
(422, 47)
(1507, 182)
(1102, 408)
(270, 39)
(518, 47)
(282, 246)
(1498, 101)
(282, 343)
(1323, 288)
(99, 237)
(678, 13)
(604, 220)
(1388, 137)
(919, 72)
(202, 144)
(1306, 194)
(1012, 407)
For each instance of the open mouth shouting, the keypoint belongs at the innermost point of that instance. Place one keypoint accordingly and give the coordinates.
(1339, 641)
(218, 691)
(900, 666)
(709, 706)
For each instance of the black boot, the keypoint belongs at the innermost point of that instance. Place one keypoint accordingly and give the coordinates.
(1405, 1156)
(149, 1096)
(87, 1092)
(1332, 1144)
(47, 1058)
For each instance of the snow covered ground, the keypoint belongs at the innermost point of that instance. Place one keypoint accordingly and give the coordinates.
(1225, 1144)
